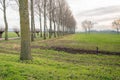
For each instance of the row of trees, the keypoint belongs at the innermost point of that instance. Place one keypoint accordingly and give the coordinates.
(57, 12)
(61, 20)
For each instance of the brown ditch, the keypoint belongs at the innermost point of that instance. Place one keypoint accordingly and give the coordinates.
(78, 51)
(83, 51)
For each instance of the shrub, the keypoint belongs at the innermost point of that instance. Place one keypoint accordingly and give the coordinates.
(1, 32)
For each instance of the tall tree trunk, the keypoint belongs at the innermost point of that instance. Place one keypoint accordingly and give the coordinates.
(32, 22)
(61, 33)
(40, 19)
(34, 34)
(50, 30)
(63, 30)
(58, 30)
(53, 15)
(45, 19)
(5, 20)
(54, 29)
(25, 30)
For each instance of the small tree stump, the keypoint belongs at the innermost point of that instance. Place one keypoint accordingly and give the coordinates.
(97, 50)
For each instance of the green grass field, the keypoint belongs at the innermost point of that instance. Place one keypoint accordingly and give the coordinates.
(105, 42)
(10, 35)
(58, 65)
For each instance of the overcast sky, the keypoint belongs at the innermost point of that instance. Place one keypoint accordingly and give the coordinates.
(103, 12)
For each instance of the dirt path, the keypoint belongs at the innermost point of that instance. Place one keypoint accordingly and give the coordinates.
(10, 38)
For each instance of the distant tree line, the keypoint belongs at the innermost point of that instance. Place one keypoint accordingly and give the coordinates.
(87, 25)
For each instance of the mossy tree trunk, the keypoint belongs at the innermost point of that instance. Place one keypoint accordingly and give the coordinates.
(25, 31)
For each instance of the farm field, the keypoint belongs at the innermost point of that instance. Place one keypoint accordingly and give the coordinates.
(105, 42)
(10, 35)
(50, 64)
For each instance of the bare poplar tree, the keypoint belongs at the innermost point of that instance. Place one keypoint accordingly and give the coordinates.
(50, 17)
(87, 25)
(61, 15)
(32, 21)
(84, 25)
(45, 19)
(116, 25)
(4, 5)
(54, 15)
(32, 11)
(39, 12)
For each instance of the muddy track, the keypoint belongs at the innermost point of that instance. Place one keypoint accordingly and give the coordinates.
(14, 38)
(78, 51)
(82, 51)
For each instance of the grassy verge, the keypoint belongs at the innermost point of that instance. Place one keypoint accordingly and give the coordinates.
(54, 65)
(59, 65)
